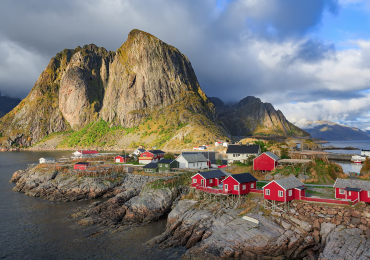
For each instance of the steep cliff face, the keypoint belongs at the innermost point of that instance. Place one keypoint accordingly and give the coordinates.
(144, 81)
(250, 116)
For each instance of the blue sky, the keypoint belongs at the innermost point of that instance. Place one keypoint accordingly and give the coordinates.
(309, 58)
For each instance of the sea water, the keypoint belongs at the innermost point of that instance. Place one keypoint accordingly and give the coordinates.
(32, 228)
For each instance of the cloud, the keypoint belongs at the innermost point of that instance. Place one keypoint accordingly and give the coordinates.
(237, 48)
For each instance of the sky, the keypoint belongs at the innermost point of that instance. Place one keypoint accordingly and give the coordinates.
(309, 58)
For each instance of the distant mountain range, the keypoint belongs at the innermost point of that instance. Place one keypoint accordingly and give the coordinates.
(251, 116)
(330, 131)
(7, 104)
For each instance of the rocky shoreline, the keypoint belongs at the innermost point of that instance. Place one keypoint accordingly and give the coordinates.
(210, 229)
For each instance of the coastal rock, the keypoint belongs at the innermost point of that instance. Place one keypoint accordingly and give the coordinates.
(346, 244)
(210, 234)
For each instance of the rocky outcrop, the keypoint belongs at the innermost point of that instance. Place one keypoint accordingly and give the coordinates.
(210, 234)
(56, 185)
(250, 116)
(144, 80)
(130, 207)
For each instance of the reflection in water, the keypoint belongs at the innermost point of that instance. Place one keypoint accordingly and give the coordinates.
(32, 228)
(349, 167)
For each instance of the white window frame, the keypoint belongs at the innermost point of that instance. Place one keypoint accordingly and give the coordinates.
(244, 186)
(349, 193)
(194, 180)
(252, 185)
(236, 187)
(211, 181)
(267, 192)
(290, 192)
(280, 193)
(368, 194)
(226, 187)
(341, 191)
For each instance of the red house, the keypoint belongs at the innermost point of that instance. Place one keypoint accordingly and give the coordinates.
(81, 165)
(240, 184)
(265, 162)
(121, 158)
(208, 179)
(284, 190)
(151, 156)
(352, 190)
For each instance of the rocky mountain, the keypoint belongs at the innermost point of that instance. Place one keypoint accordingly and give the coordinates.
(145, 92)
(331, 131)
(7, 104)
(250, 116)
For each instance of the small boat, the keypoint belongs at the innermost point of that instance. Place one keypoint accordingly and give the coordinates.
(358, 159)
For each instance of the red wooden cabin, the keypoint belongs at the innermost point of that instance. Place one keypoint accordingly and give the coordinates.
(151, 156)
(284, 190)
(265, 162)
(81, 165)
(240, 184)
(208, 179)
(352, 190)
(121, 158)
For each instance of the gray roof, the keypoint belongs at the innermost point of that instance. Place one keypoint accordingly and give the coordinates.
(273, 156)
(194, 157)
(348, 183)
(289, 183)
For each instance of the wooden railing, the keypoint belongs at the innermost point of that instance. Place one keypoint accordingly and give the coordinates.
(256, 191)
(212, 190)
(343, 202)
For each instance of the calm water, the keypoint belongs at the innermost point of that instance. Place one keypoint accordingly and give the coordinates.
(32, 228)
(346, 165)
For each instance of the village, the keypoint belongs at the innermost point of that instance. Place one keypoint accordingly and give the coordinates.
(278, 190)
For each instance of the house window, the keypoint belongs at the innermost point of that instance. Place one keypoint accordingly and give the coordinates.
(226, 187)
(167, 165)
(349, 193)
(194, 180)
(144, 155)
(252, 185)
(368, 194)
(267, 192)
(280, 193)
(211, 181)
(341, 191)
(290, 192)
(236, 187)
(244, 186)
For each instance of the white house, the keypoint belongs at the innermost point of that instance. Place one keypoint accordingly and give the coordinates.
(240, 153)
(218, 143)
(192, 161)
(47, 160)
(203, 147)
(365, 153)
(84, 154)
(225, 144)
(138, 151)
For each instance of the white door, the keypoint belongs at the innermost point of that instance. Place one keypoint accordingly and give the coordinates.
(202, 181)
(226, 187)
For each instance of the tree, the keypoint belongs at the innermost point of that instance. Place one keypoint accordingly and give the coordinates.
(366, 166)
(219, 162)
(250, 160)
(262, 146)
(169, 156)
(284, 153)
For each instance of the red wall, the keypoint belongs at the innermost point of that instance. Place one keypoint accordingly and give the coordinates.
(121, 159)
(339, 196)
(274, 188)
(231, 182)
(354, 195)
(207, 183)
(364, 197)
(80, 166)
(264, 163)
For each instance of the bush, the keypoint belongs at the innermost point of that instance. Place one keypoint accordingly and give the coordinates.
(262, 146)
(219, 162)
(169, 156)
